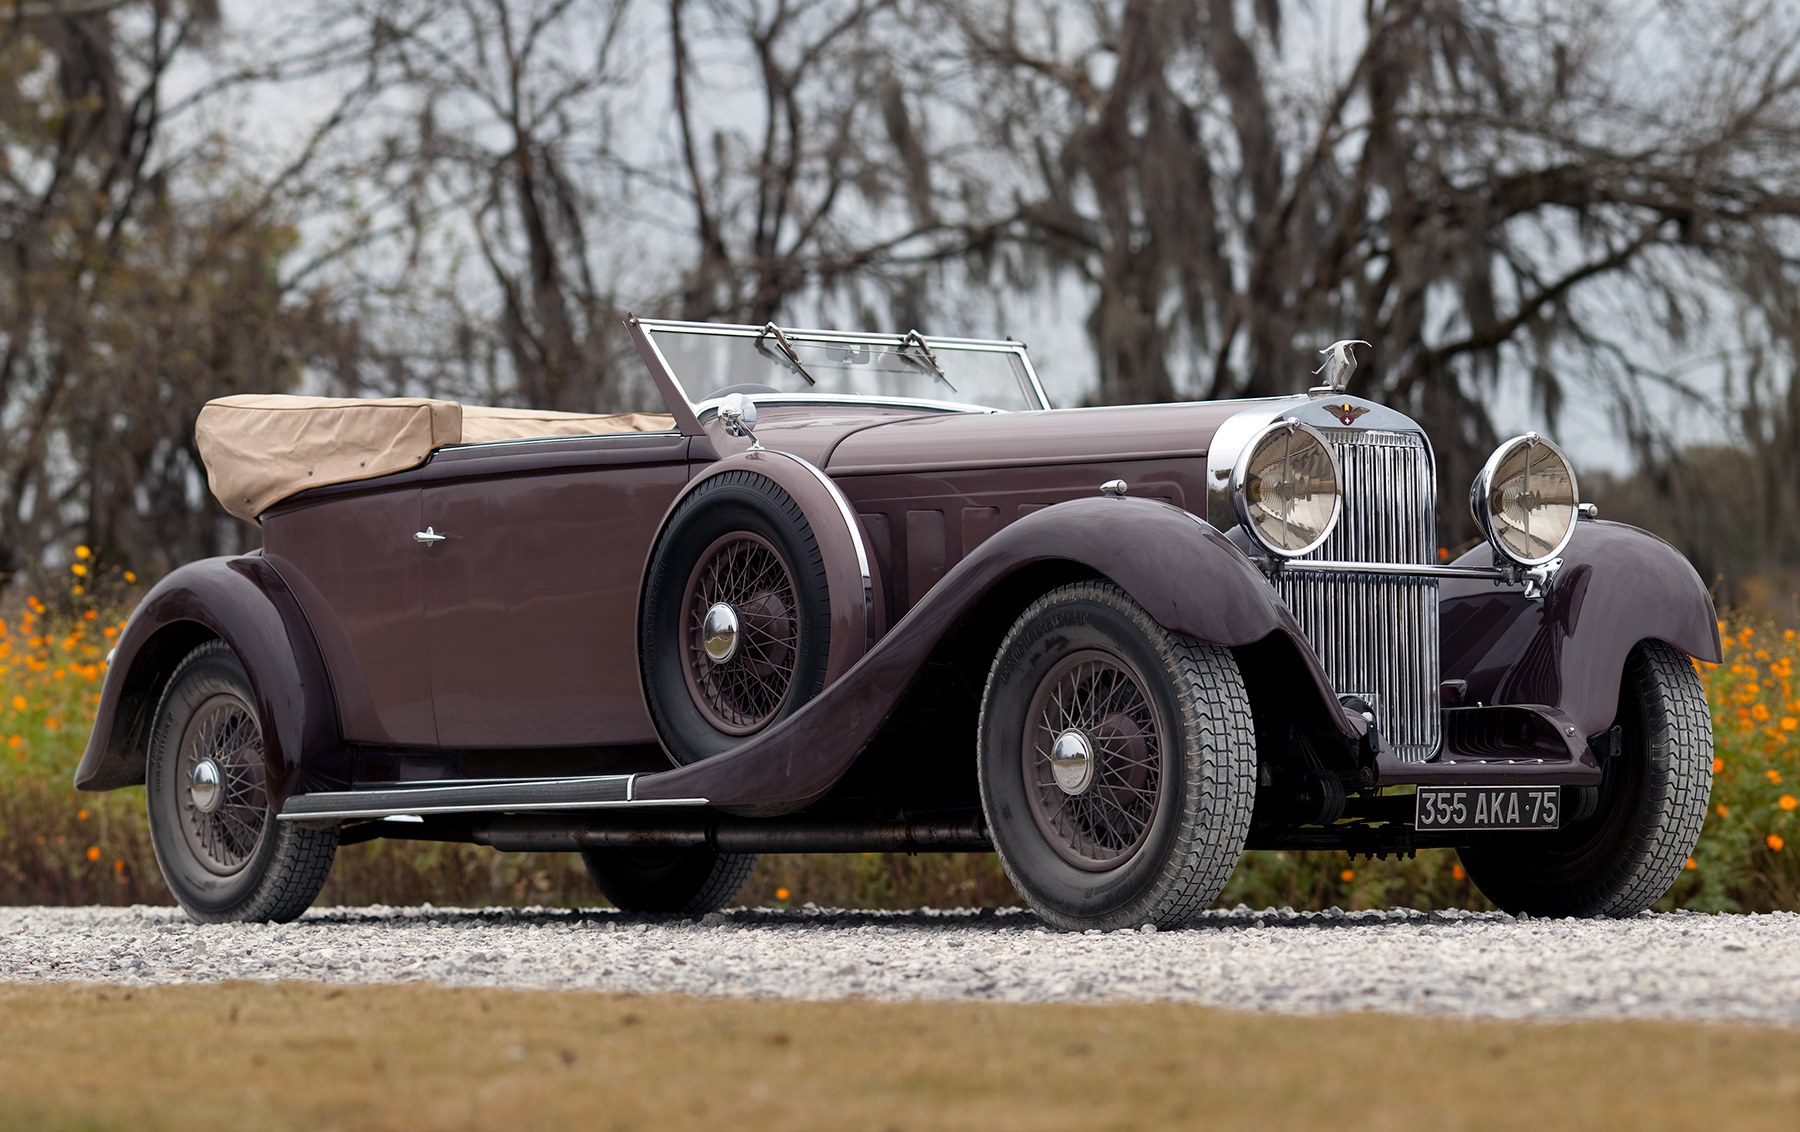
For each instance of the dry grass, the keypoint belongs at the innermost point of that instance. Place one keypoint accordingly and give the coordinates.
(308, 1056)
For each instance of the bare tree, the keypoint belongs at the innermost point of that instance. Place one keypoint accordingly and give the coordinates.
(143, 274)
(1479, 187)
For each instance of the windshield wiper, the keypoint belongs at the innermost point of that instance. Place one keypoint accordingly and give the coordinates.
(788, 357)
(916, 341)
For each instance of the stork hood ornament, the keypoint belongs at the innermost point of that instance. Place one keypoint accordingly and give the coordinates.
(1339, 364)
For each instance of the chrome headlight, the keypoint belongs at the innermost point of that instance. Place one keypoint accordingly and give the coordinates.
(1285, 488)
(1525, 500)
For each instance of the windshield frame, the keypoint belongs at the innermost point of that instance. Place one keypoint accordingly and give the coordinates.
(646, 330)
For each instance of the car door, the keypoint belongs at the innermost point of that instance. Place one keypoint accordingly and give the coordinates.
(531, 596)
(353, 560)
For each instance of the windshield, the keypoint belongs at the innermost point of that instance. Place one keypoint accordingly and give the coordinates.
(709, 361)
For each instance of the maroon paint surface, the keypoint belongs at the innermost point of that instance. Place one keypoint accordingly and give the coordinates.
(519, 632)
(1618, 586)
(243, 602)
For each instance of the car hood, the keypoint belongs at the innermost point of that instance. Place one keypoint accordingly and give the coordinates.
(984, 440)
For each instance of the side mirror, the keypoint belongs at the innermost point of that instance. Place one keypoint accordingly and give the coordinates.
(737, 413)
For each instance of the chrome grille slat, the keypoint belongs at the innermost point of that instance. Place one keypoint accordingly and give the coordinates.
(1378, 636)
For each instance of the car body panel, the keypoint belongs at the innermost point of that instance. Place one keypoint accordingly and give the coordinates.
(351, 563)
(1150, 549)
(530, 602)
(243, 602)
(509, 650)
(1618, 585)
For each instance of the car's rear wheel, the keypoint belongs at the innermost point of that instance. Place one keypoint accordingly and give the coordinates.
(212, 822)
(687, 882)
(735, 622)
(1117, 763)
(1623, 856)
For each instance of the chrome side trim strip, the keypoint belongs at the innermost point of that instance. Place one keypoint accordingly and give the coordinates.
(526, 795)
(348, 814)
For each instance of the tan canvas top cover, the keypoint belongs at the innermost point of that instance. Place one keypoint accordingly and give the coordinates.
(262, 448)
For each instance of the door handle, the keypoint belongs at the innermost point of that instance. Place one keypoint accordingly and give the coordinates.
(428, 536)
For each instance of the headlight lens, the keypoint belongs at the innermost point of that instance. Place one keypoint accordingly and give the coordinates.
(1525, 500)
(1285, 488)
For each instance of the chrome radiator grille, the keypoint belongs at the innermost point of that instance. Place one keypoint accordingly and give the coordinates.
(1378, 636)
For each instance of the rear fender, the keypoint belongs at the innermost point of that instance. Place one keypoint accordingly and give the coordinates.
(243, 602)
(1618, 586)
(1180, 569)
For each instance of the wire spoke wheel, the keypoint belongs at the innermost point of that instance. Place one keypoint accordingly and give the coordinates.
(1116, 762)
(211, 807)
(1096, 805)
(223, 823)
(740, 664)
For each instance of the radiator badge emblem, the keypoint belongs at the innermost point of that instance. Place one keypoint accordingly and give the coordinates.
(1347, 412)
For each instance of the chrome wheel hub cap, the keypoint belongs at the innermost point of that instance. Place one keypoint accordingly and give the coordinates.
(719, 633)
(1072, 761)
(203, 786)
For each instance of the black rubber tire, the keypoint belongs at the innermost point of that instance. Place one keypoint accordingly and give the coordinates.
(277, 867)
(1653, 797)
(1195, 828)
(736, 502)
(685, 882)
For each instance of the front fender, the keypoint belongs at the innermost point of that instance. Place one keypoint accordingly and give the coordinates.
(1618, 586)
(1180, 569)
(243, 602)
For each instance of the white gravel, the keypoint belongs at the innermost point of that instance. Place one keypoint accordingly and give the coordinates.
(1679, 965)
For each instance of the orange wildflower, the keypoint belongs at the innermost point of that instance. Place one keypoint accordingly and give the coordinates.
(1347, 875)
(19, 704)
(1760, 713)
(1718, 765)
(79, 569)
(1459, 872)
(93, 853)
(781, 894)
(1789, 723)
(1691, 864)
(1787, 802)
(1774, 842)
(83, 552)
(1724, 810)
(1774, 776)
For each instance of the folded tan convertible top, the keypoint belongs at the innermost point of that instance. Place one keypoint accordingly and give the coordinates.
(261, 448)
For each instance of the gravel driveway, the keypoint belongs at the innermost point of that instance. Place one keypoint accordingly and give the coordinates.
(1743, 968)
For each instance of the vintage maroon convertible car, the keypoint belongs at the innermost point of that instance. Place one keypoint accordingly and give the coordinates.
(870, 592)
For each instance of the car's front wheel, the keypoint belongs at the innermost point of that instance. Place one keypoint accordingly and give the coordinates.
(1117, 763)
(687, 882)
(212, 822)
(1622, 857)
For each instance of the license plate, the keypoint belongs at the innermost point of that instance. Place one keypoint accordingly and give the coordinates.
(1488, 807)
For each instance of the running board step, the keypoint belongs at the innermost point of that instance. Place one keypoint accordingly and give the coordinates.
(603, 791)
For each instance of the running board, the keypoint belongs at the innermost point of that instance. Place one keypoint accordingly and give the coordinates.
(596, 792)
